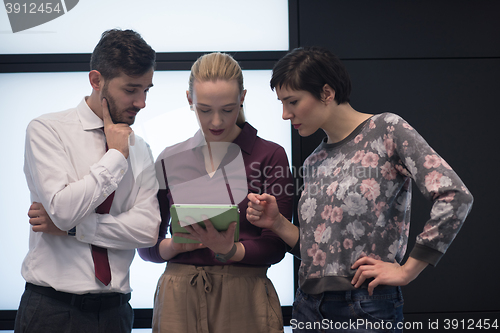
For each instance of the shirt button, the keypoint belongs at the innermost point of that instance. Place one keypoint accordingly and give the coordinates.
(82, 237)
(122, 171)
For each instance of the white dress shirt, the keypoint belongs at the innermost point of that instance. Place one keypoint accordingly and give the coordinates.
(69, 171)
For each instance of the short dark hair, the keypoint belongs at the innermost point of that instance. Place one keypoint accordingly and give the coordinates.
(309, 69)
(122, 51)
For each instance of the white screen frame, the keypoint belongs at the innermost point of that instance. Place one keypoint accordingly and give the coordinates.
(28, 95)
(167, 25)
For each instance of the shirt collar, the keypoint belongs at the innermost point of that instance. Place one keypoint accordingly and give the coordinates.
(87, 117)
(247, 137)
(245, 140)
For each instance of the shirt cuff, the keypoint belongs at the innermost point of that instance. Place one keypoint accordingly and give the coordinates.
(427, 254)
(86, 229)
(295, 250)
(115, 163)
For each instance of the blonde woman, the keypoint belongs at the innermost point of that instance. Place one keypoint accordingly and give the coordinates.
(219, 285)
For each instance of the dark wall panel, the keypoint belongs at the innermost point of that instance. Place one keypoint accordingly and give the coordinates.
(437, 64)
(394, 29)
(454, 110)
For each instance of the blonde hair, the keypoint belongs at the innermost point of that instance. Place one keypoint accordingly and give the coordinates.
(217, 66)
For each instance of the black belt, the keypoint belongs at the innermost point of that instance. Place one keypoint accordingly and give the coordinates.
(85, 302)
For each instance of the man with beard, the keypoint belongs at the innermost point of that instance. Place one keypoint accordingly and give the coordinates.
(93, 189)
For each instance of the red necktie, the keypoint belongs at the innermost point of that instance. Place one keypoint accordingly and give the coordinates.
(99, 254)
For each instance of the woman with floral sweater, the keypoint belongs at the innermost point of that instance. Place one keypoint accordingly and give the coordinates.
(354, 211)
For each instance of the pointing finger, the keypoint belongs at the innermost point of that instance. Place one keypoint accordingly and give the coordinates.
(252, 198)
(266, 198)
(106, 117)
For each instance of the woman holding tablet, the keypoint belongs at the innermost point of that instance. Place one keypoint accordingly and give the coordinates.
(354, 211)
(219, 284)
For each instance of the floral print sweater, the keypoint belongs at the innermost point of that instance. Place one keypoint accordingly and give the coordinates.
(356, 202)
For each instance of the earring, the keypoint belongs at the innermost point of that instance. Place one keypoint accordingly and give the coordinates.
(191, 107)
(241, 105)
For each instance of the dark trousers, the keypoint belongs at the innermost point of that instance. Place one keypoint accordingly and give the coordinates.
(39, 313)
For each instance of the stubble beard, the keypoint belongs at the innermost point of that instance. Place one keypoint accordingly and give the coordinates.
(116, 116)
